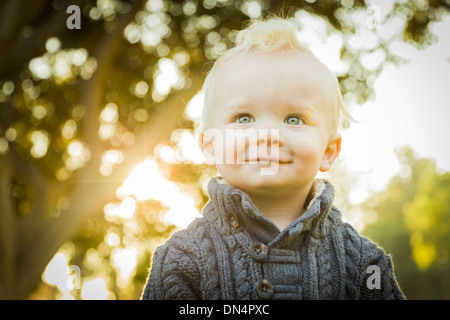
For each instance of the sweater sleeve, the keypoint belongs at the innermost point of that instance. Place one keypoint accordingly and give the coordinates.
(174, 275)
(377, 278)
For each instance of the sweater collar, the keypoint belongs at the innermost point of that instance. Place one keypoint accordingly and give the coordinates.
(230, 208)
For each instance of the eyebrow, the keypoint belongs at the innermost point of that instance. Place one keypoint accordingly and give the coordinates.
(303, 106)
(237, 106)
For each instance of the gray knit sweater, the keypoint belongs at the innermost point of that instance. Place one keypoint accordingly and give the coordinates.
(235, 252)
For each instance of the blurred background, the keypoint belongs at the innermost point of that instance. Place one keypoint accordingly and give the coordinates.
(98, 109)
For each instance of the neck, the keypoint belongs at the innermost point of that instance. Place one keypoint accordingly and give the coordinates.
(283, 208)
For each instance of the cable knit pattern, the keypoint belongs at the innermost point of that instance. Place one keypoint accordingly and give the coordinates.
(325, 278)
(235, 252)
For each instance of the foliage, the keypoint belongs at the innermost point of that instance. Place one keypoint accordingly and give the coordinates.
(413, 218)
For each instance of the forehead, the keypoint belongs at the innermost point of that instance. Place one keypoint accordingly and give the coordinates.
(280, 62)
(272, 77)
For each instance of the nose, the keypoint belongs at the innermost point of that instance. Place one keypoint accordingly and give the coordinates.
(270, 136)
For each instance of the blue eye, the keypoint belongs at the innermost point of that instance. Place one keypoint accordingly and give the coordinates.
(293, 120)
(245, 118)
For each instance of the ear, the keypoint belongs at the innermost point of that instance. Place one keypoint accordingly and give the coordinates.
(331, 152)
(207, 148)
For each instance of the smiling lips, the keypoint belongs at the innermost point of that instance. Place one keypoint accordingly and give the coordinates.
(268, 160)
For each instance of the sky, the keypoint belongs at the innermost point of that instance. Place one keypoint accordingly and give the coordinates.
(411, 107)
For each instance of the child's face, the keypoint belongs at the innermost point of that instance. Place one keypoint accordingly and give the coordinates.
(288, 97)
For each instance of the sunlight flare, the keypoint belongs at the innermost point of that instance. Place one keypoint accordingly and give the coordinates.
(146, 182)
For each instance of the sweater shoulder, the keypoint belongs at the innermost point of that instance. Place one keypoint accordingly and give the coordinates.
(372, 262)
(175, 271)
(354, 240)
(189, 238)
(363, 254)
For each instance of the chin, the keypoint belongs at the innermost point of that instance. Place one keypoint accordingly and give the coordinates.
(262, 183)
(251, 179)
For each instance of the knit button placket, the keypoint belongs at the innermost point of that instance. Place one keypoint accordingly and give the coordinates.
(258, 251)
(264, 289)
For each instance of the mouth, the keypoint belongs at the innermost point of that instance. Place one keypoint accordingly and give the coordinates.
(267, 160)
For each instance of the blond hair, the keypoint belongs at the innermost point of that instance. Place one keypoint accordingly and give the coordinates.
(275, 35)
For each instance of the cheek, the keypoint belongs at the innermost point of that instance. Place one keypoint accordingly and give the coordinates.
(234, 148)
(308, 151)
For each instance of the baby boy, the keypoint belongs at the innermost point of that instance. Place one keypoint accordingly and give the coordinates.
(270, 230)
